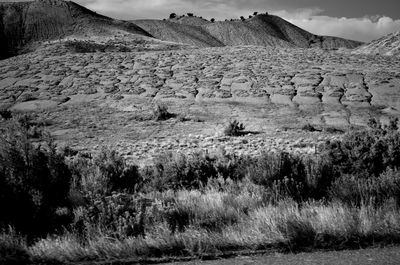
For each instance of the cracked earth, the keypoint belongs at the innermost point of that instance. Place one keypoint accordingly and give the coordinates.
(90, 100)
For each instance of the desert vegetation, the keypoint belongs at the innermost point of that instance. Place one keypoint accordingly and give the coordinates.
(79, 46)
(59, 205)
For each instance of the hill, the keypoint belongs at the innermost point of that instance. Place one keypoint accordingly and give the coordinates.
(260, 30)
(387, 45)
(179, 32)
(21, 24)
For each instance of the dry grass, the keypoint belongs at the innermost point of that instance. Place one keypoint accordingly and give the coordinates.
(218, 223)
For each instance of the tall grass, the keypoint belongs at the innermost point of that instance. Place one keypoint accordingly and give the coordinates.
(288, 225)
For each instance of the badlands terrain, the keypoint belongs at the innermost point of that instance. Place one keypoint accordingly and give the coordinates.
(97, 85)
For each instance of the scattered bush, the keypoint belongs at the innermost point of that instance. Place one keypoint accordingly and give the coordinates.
(172, 16)
(160, 113)
(309, 128)
(234, 128)
(5, 114)
(212, 20)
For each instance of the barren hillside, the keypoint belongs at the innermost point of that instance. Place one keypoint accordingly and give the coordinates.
(261, 30)
(26, 22)
(387, 45)
(182, 33)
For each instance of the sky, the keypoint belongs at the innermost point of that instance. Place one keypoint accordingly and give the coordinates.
(363, 20)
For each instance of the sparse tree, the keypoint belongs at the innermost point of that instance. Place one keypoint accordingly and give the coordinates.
(255, 13)
(172, 15)
(213, 20)
(250, 16)
(242, 18)
(190, 14)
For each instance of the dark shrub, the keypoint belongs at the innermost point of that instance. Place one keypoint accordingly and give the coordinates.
(5, 114)
(393, 124)
(91, 47)
(172, 15)
(34, 183)
(298, 233)
(309, 128)
(13, 250)
(190, 14)
(234, 128)
(365, 153)
(177, 171)
(320, 174)
(231, 166)
(176, 216)
(160, 113)
(372, 190)
(212, 20)
(105, 173)
(282, 172)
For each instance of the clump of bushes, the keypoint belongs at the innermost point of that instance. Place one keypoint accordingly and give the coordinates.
(178, 171)
(34, 183)
(365, 153)
(91, 47)
(103, 174)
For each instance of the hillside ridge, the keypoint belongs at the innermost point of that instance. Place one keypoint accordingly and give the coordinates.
(260, 30)
(24, 23)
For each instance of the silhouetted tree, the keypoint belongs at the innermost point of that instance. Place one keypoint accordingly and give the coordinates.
(213, 20)
(172, 15)
(255, 13)
(190, 14)
(242, 18)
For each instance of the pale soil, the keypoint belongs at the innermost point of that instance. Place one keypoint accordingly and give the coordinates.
(372, 256)
(92, 100)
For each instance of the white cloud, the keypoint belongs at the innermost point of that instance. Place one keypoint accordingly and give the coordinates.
(364, 29)
(139, 9)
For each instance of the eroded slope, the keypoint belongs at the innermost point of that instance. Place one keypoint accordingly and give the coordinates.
(27, 22)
